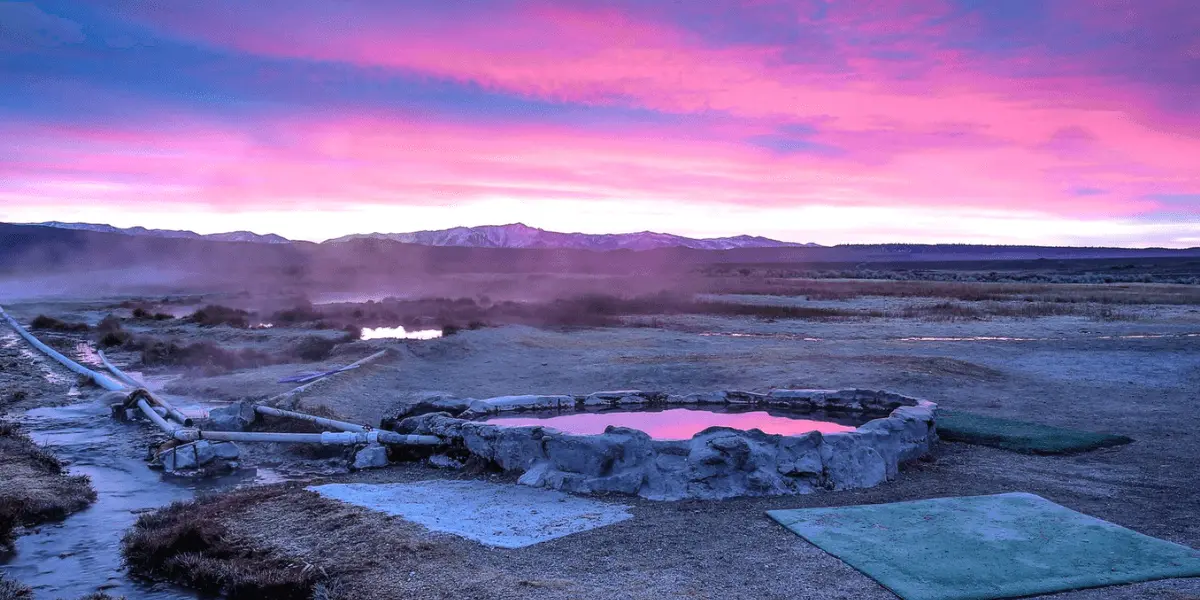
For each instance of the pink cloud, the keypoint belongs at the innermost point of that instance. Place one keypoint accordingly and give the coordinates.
(294, 161)
(889, 114)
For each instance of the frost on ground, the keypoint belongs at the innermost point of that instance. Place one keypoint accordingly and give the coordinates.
(501, 515)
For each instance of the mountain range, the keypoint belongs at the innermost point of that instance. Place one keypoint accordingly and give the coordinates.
(516, 235)
(519, 235)
(233, 236)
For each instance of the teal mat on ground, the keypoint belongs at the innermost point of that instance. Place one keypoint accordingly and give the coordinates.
(1020, 436)
(985, 547)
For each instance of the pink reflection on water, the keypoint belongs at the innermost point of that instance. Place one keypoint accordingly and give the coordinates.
(674, 424)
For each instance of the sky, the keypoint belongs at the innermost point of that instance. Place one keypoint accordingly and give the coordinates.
(1057, 122)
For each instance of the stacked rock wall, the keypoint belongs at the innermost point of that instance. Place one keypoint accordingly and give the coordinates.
(718, 462)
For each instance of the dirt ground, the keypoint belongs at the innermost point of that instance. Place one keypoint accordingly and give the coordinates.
(1138, 376)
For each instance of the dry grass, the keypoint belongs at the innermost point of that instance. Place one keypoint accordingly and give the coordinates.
(958, 311)
(839, 289)
(285, 542)
(187, 543)
(14, 590)
(36, 486)
(590, 310)
(209, 357)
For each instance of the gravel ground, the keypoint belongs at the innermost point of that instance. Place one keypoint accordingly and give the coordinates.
(1139, 378)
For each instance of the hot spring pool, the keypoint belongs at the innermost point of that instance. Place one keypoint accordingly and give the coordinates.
(680, 423)
(708, 445)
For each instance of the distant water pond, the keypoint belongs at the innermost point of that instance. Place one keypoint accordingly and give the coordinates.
(399, 333)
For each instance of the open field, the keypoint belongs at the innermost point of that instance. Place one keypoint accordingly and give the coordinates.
(1112, 358)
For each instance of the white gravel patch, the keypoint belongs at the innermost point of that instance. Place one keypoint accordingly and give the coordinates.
(500, 515)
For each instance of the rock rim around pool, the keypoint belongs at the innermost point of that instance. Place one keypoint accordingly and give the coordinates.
(716, 463)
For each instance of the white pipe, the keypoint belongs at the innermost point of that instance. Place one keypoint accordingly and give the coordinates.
(117, 372)
(333, 423)
(171, 410)
(399, 439)
(297, 390)
(328, 438)
(163, 424)
(101, 380)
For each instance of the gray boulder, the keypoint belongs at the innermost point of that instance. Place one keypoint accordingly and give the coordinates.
(420, 403)
(196, 455)
(235, 417)
(371, 457)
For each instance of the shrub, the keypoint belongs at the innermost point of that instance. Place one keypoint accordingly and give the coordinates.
(313, 348)
(112, 333)
(52, 324)
(200, 354)
(301, 313)
(115, 338)
(353, 333)
(145, 315)
(108, 323)
(215, 314)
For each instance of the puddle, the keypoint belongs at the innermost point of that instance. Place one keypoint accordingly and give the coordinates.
(399, 333)
(86, 355)
(28, 355)
(681, 423)
(81, 554)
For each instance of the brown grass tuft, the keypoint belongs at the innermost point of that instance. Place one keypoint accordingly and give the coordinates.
(14, 590)
(187, 543)
(36, 486)
(46, 323)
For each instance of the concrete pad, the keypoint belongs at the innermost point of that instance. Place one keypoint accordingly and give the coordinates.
(493, 514)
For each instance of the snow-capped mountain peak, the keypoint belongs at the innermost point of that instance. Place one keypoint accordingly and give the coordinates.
(519, 235)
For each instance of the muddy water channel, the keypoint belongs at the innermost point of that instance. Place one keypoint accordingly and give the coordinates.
(82, 554)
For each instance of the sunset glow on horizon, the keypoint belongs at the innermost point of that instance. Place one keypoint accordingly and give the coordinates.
(1065, 122)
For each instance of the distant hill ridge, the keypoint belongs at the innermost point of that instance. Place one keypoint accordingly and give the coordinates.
(233, 236)
(515, 235)
(519, 235)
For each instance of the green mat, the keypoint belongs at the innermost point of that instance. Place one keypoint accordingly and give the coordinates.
(1020, 436)
(984, 547)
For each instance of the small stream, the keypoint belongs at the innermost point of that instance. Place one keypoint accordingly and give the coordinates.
(81, 554)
